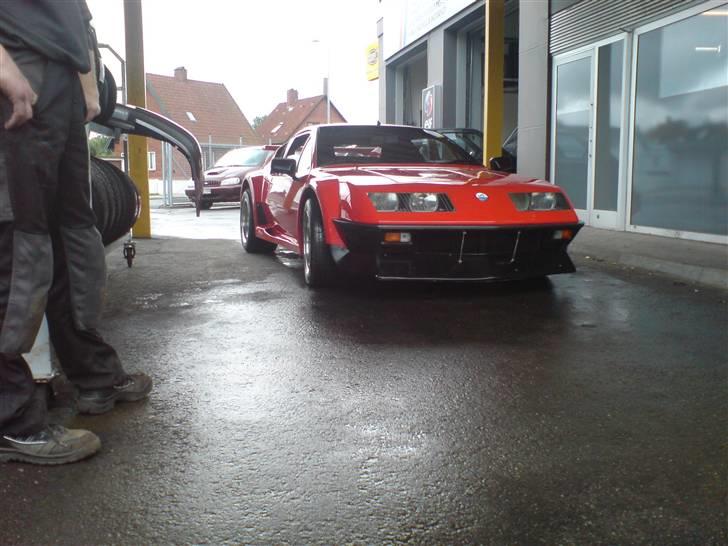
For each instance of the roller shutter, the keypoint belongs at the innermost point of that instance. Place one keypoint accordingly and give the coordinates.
(592, 20)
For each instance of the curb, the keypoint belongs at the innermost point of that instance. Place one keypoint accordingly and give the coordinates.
(706, 276)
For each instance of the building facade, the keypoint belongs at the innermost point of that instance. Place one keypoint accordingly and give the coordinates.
(623, 104)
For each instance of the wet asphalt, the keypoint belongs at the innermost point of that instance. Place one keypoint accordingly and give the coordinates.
(587, 410)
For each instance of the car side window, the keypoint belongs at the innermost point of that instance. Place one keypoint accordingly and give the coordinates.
(304, 162)
(296, 147)
(279, 152)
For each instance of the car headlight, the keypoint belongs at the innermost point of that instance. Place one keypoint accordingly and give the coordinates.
(384, 201)
(232, 181)
(411, 202)
(539, 201)
(424, 202)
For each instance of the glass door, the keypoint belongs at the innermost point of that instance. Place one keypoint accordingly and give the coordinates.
(572, 128)
(607, 177)
(587, 137)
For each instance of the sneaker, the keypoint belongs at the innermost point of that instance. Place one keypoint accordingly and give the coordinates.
(53, 445)
(135, 387)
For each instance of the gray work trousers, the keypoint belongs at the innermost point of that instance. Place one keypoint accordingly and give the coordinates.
(51, 255)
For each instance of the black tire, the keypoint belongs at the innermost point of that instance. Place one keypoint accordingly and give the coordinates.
(107, 97)
(250, 242)
(205, 205)
(115, 200)
(318, 266)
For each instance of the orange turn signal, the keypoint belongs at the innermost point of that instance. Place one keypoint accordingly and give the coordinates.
(565, 234)
(397, 237)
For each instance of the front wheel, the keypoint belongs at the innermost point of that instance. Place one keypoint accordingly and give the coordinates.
(318, 266)
(205, 205)
(250, 242)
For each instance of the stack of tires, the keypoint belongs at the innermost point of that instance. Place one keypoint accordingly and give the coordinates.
(115, 200)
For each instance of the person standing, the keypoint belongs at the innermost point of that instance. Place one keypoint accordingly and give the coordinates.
(51, 255)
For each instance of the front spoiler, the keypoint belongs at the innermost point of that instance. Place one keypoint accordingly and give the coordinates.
(460, 253)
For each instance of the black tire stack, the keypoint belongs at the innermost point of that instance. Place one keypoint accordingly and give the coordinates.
(115, 200)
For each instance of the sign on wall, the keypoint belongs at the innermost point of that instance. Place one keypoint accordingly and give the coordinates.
(407, 20)
(431, 105)
(373, 61)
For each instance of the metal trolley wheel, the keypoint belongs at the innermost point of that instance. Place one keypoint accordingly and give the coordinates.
(129, 251)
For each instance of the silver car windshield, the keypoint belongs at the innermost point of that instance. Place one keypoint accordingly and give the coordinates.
(243, 157)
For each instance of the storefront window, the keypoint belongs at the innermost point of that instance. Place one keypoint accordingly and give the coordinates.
(476, 83)
(414, 79)
(680, 170)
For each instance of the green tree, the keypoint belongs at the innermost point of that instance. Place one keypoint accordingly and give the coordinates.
(99, 146)
(258, 121)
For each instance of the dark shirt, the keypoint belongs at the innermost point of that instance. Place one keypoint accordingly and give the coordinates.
(57, 29)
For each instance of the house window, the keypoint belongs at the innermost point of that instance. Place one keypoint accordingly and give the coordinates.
(191, 116)
(152, 160)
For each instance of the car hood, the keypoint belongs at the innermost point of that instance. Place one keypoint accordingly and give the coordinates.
(219, 173)
(479, 196)
(403, 178)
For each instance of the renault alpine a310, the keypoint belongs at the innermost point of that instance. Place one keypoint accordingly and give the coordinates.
(402, 203)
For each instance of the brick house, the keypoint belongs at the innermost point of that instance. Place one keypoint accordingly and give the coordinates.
(204, 108)
(294, 114)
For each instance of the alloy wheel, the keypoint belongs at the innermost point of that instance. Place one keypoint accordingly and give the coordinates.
(245, 219)
(307, 239)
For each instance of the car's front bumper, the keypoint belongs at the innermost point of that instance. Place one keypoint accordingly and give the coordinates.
(475, 253)
(216, 194)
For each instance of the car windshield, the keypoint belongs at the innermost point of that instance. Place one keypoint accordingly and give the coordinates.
(381, 144)
(470, 141)
(511, 143)
(243, 157)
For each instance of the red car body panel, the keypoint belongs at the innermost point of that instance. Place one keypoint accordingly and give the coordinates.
(342, 194)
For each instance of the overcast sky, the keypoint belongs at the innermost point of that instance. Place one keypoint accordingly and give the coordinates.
(257, 48)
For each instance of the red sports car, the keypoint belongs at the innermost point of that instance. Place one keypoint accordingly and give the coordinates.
(402, 203)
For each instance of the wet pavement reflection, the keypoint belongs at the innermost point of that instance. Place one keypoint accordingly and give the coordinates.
(587, 409)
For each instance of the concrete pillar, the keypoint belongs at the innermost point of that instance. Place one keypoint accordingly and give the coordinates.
(441, 70)
(533, 88)
(382, 74)
(137, 96)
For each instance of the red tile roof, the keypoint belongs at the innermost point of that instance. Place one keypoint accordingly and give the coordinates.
(214, 110)
(286, 119)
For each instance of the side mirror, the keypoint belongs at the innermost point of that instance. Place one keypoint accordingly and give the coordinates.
(285, 166)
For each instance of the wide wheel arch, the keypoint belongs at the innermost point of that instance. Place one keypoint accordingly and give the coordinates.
(327, 197)
(256, 189)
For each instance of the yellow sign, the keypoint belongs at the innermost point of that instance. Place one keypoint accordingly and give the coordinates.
(373, 61)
